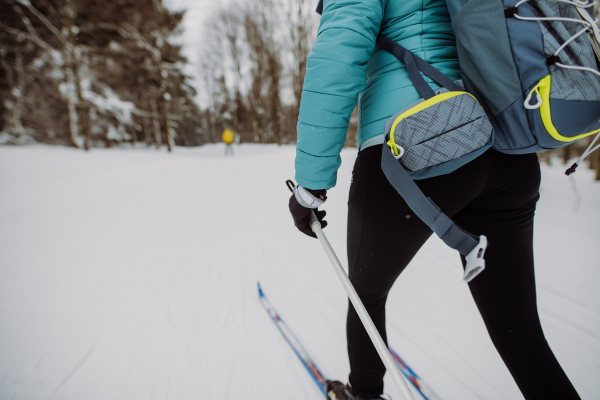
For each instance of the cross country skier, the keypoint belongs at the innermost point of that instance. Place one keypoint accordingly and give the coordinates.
(495, 195)
(228, 139)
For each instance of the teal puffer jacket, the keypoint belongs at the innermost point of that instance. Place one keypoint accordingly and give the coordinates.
(345, 66)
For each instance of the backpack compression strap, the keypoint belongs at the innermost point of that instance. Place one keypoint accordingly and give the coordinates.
(454, 236)
(414, 64)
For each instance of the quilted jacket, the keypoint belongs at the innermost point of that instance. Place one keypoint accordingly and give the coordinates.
(345, 66)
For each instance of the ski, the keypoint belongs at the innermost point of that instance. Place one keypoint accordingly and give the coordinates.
(424, 390)
(294, 343)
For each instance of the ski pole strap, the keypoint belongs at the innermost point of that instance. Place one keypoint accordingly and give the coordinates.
(453, 235)
(414, 64)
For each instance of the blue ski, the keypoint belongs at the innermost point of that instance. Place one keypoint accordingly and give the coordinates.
(423, 389)
(317, 376)
(302, 354)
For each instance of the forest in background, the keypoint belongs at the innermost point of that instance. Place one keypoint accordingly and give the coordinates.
(97, 73)
(90, 73)
(93, 73)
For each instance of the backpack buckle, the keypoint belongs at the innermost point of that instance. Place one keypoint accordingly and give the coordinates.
(475, 261)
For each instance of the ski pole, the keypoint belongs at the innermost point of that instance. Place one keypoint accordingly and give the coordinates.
(382, 349)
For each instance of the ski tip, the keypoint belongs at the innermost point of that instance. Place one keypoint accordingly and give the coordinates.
(260, 292)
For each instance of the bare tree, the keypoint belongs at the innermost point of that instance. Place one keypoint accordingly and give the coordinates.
(301, 26)
(233, 31)
(221, 63)
(252, 57)
(266, 69)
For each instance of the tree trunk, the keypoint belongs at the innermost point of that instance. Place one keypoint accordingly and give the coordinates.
(209, 120)
(9, 77)
(147, 134)
(238, 103)
(17, 125)
(275, 101)
(566, 154)
(133, 135)
(16, 82)
(84, 126)
(15, 78)
(156, 124)
(300, 33)
(165, 110)
(73, 128)
(213, 129)
(82, 109)
(164, 102)
(72, 109)
(596, 157)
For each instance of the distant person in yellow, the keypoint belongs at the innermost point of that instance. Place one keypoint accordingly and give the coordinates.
(228, 139)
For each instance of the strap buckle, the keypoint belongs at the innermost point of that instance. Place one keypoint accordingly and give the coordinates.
(475, 261)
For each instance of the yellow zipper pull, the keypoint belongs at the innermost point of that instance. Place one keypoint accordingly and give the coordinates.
(535, 89)
(392, 145)
(397, 151)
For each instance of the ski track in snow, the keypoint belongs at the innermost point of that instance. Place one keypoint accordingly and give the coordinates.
(131, 274)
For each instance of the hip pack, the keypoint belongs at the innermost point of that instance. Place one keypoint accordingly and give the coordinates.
(533, 65)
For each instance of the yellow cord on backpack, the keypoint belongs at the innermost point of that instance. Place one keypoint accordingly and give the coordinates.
(392, 145)
(542, 89)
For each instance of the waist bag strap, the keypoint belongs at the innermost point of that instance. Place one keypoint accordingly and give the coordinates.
(454, 236)
(414, 64)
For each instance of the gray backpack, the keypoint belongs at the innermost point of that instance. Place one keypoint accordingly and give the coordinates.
(531, 65)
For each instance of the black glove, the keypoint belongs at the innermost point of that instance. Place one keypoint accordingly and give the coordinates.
(302, 202)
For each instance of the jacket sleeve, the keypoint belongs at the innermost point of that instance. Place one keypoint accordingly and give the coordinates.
(335, 74)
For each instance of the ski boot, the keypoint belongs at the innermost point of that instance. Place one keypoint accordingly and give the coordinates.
(336, 390)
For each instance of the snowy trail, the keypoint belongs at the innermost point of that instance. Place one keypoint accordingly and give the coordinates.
(131, 274)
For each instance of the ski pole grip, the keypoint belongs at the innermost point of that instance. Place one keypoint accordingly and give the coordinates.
(314, 222)
(290, 185)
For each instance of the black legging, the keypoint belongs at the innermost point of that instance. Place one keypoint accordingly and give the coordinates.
(495, 195)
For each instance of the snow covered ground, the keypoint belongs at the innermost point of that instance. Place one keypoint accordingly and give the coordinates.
(131, 274)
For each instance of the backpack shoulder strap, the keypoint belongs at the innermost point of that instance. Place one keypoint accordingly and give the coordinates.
(414, 64)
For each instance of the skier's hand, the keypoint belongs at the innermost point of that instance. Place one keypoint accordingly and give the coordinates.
(302, 202)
